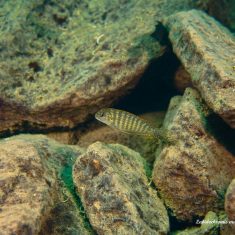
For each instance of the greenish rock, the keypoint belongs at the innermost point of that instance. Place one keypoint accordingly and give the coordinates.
(209, 226)
(36, 196)
(112, 182)
(61, 61)
(192, 173)
(206, 50)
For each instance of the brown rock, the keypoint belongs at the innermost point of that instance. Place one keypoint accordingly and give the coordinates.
(63, 137)
(182, 79)
(206, 50)
(30, 188)
(113, 186)
(230, 203)
(193, 173)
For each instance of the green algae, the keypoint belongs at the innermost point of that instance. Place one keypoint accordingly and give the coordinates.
(66, 176)
(67, 179)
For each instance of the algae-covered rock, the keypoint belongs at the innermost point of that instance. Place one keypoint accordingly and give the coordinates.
(209, 226)
(206, 50)
(112, 183)
(193, 173)
(230, 204)
(63, 60)
(145, 146)
(33, 187)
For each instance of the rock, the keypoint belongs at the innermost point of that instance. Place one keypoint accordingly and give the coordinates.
(111, 181)
(63, 137)
(206, 50)
(193, 173)
(230, 203)
(31, 187)
(62, 61)
(182, 79)
(146, 147)
(209, 226)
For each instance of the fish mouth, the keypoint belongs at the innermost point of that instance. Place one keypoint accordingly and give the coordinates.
(99, 115)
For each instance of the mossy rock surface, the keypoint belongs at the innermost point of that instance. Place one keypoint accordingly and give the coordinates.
(206, 50)
(112, 182)
(63, 60)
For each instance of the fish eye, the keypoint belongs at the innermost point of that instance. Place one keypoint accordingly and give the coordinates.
(101, 114)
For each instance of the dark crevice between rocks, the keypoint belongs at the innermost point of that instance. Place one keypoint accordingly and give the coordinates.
(155, 88)
(176, 225)
(34, 128)
(223, 133)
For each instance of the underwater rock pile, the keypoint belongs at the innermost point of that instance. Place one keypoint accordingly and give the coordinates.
(60, 62)
(87, 54)
(193, 174)
(199, 39)
(71, 58)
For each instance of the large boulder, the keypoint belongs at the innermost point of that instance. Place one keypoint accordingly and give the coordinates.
(193, 173)
(33, 187)
(61, 61)
(112, 183)
(206, 50)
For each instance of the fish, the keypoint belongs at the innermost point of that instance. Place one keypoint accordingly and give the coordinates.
(131, 124)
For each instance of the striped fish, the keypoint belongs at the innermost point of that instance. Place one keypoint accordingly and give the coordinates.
(131, 124)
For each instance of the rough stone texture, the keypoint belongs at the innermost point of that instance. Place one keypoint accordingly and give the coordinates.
(204, 229)
(192, 174)
(112, 183)
(206, 50)
(30, 186)
(145, 146)
(63, 60)
(63, 137)
(182, 79)
(230, 203)
(227, 230)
